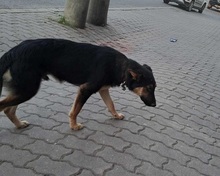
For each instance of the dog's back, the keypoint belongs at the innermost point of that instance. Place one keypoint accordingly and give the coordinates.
(93, 68)
(76, 63)
(73, 62)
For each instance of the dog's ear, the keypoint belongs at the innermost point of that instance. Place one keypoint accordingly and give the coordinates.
(147, 67)
(134, 75)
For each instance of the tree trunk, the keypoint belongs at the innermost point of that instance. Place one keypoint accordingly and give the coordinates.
(98, 11)
(76, 12)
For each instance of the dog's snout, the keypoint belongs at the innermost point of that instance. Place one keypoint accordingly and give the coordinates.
(149, 102)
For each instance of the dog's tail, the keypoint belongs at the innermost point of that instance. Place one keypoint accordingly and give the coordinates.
(5, 63)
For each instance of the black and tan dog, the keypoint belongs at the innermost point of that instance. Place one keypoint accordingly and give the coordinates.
(92, 68)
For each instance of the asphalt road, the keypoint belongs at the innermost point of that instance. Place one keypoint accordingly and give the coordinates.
(10, 4)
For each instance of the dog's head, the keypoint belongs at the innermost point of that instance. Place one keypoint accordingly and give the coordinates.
(141, 81)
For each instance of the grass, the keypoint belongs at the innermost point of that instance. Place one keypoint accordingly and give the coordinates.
(62, 20)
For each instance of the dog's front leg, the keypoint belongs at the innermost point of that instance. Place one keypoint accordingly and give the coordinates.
(81, 98)
(109, 103)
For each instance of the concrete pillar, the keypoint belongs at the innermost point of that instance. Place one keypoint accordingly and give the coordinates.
(98, 11)
(76, 12)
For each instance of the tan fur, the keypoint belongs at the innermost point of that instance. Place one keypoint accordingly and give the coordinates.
(7, 99)
(139, 91)
(104, 93)
(74, 112)
(104, 88)
(7, 76)
(10, 113)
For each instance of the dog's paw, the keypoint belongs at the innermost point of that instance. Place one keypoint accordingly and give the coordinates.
(23, 124)
(76, 127)
(119, 116)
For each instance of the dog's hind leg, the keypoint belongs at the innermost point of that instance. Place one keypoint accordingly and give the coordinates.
(9, 105)
(10, 100)
(109, 103)
(10, 112)
(17, 95)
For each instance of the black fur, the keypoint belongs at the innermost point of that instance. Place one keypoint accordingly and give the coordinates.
(77, 63)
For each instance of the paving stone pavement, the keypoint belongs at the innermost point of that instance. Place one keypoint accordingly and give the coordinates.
(180, 137)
